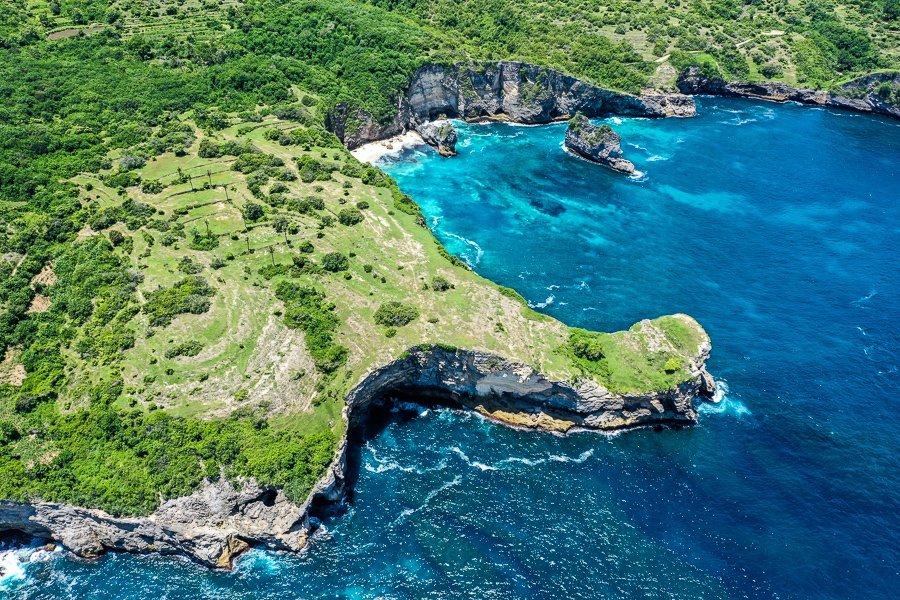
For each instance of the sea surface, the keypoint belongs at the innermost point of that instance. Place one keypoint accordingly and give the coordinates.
(778, 228)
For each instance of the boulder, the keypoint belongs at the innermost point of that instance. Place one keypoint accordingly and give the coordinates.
(441, 135)
(597, 143)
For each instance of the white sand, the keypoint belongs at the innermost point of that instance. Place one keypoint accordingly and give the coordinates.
(373, 151)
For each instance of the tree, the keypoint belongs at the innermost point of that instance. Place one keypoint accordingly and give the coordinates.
(335, 261)
(252, 211)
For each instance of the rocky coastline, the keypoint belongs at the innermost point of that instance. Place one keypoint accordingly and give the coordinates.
(222, 519)
(860, 95)
(529, 94)
(502, 91)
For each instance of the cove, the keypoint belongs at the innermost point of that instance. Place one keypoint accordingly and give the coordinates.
(776, 226)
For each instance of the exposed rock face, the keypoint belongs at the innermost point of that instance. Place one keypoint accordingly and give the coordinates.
(441, 135)
(212, 525)
(861, 94)
(599, 144)
(218, 521)
(510, 91)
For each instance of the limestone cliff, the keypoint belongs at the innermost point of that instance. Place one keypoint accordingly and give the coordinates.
(597, 143)
(219, 521)
(861, 95)
(506, 90)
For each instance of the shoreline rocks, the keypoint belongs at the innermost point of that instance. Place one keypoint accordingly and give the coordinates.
(596, 143)
(861, 94)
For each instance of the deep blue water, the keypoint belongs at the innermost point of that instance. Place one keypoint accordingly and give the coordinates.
(778, 228)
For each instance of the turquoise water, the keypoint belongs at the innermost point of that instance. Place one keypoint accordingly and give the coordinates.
(778, 228)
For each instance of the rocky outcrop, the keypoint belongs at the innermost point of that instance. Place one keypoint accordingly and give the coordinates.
(860, 95)
(506, 90)
(596, 143)
(212, 525)
(219, 521)
(441, 135)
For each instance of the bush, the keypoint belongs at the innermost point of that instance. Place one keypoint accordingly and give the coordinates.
(335, 261)
(672, 365)
(188, 266)
(350, 216)
(440, 284)
(306, 309)
(395, 314)
(586, 345)
(189, 348)
(190, 295)
(252, 211)
(203, 241)
(306, 247)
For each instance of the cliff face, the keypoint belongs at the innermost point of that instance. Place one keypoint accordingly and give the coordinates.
(219, 521)
(506, 90)
(212, 525)
(599, 144)
(861, 95)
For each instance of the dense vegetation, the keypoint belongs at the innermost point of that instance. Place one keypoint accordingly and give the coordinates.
(104, 187)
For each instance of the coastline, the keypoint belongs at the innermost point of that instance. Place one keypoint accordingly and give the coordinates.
(221, 520)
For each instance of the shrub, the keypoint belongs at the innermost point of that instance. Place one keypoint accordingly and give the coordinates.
(203, 241)
(189, 348)
(335, 261)
(362, 205)
(306, 247)
(188, 266)
(190, 295)
(672, 365)
(252, 211)
(395, 314)
(152, 186)
(350, 216)
(306, 309)
(440, 284)
(586, 345)
(116, 237)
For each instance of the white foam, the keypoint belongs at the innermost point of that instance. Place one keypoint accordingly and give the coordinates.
(478, 251)
(12, 569)
(581, 457)
(543, 304)
(431, 495)
(14, 563)
(657, 157)
(724, 404)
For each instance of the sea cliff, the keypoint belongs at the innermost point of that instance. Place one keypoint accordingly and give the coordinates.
(224, 518)
(507, 91)
(863, 94)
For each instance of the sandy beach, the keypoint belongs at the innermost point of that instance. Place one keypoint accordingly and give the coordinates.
(373, 151)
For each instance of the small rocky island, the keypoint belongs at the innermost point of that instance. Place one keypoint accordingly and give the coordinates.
(597, 143)
(441, 135)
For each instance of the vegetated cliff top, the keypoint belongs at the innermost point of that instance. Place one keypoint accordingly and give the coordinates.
(227, 287)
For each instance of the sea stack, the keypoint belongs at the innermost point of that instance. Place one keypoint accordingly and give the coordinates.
(441, 135)
(597, 143)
